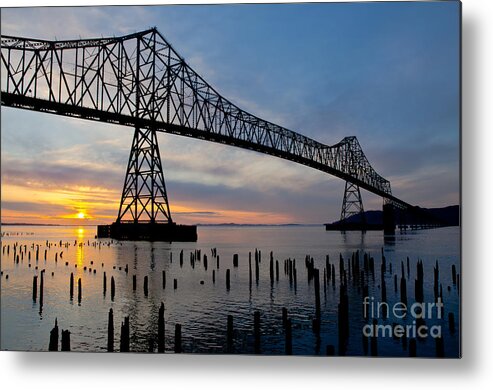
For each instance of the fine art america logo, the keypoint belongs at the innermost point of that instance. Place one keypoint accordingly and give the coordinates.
(418, 312)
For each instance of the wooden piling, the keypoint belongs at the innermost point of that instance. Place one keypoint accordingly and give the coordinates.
(35, 288)
(439, 348)
(112, 288)
(341, 266)
(277, 271)
(104, 283)
(53, 346)
(178, 347)
(343, 319)
(373, 340)
(317, 291)
(412, 348)
(134, 282)
(403, 289)
(364, 340)
(229, 334)
(125, 336)
(454, 274)
(328, 267)
(310, 265)
(41, 290)
(257, 271)
(418, 291)
(289, 337)
(65, 341)
(235, 260)
(111, 332)
(284, 316)
(404, 342)
(325, 283)
(175, 284)
(250, 269)
(79, 295)
(146, 287)
(451, 323)
(160, 330)
(228, 285)
(71, 286)
(213, 276)
(256, 331)
(164, 279)
(372, 266)
(290, 271)
(436, 273)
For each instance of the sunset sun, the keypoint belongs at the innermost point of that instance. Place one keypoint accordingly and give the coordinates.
(81, 215)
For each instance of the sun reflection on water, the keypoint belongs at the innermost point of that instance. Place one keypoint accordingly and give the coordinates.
(80, 247)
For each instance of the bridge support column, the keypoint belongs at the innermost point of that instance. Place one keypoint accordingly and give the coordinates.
(144, 212)
(352, 204)
(388, 218)
(144, 195)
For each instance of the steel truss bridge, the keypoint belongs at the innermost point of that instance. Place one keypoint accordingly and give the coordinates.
(139, 80)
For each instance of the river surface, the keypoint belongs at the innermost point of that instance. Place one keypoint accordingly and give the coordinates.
(202, 307)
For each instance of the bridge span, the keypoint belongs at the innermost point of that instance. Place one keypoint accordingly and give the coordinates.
(140, 81)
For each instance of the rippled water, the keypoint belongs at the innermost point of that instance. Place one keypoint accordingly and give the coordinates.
(202, 309)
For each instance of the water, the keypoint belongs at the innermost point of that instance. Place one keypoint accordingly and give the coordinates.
(202, 309)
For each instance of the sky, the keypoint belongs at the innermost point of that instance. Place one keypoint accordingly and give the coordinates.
(387, 73)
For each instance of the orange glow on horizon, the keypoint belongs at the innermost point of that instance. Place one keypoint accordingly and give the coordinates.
(100, 206)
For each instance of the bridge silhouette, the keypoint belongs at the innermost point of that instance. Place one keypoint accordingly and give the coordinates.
(139, 80)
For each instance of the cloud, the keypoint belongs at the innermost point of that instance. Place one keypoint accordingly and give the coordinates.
(59, 23)
(199, 213)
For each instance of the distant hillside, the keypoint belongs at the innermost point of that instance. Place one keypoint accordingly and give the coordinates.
(450, 216)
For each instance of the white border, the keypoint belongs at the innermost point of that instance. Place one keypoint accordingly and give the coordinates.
(474, 370)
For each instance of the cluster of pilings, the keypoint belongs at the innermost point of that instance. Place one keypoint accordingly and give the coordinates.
(177, 345)
(54, 337)
(353, 276)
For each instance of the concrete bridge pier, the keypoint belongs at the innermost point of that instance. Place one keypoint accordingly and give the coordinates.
(388, 219)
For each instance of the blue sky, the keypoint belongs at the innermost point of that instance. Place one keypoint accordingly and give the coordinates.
(386, 73)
